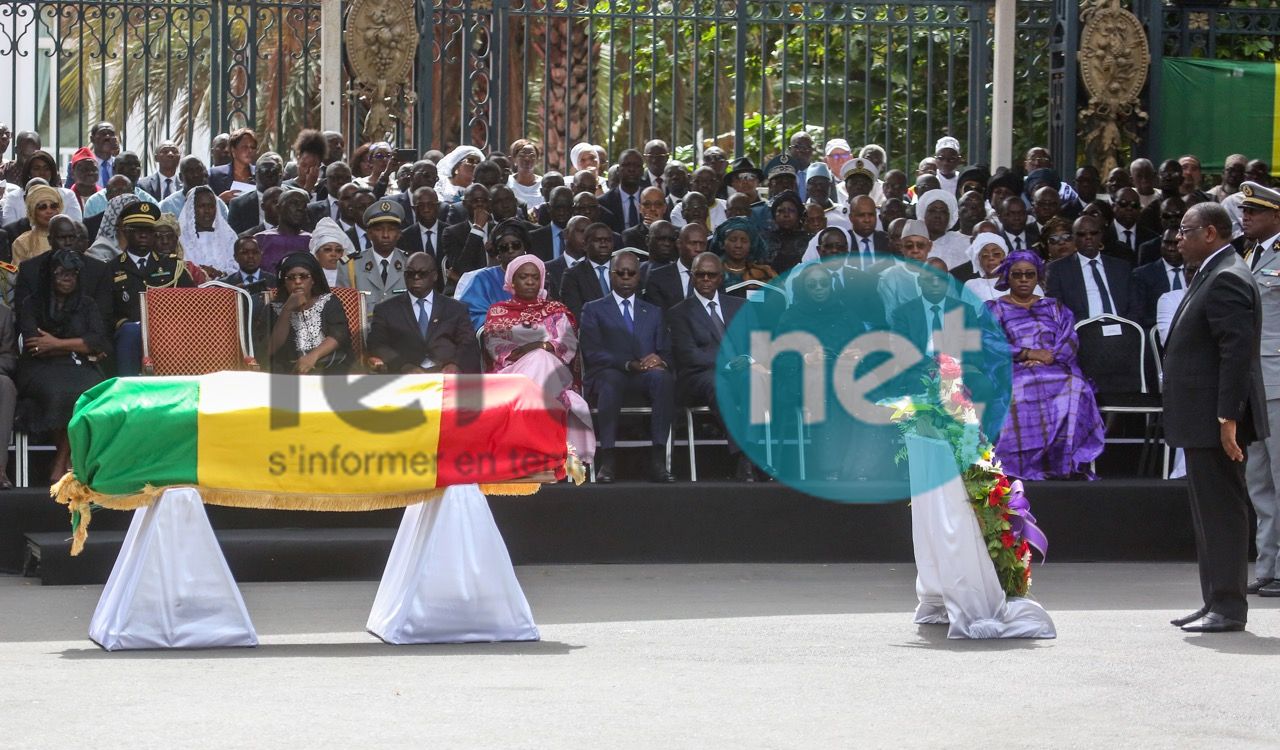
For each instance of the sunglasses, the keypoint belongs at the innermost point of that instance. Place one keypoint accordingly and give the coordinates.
(503, 247)
(45, 206)
(417, 274)
(625, 273)
(1128, 204)
(706, 275)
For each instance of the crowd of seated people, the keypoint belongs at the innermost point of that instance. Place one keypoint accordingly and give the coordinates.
(611, 282)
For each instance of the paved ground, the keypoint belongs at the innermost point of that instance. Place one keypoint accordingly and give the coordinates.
(736, 656)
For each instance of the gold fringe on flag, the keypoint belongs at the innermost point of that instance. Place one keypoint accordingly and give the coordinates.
(81, 500)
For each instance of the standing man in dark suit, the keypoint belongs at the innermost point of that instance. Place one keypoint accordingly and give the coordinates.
(590, 280)
(244, 211)
(668, 285)
(1214, 406)
(626, 353)
(1088, 282)
(623, 202)
(422, 330)
(869, 246)
(575, 248)
(698, 325)
(165, 181)
(548, 241)
(1151, 281)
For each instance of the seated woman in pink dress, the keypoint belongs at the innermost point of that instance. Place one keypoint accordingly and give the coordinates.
(533, 336)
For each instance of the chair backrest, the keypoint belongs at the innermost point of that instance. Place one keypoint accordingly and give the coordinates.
(1112, 353)
(353, 304)
(1155, 360)
(193, 331)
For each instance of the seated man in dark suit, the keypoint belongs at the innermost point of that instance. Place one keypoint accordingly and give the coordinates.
(622, 203)
(422, 331)
(250, 277)
(575, 249)
(666, 285)
(336, 174)
(463, 244)
(270, 202)
(548, 240)
(1088, 282)
(626, 354)
(653, 208)
(590, 280)
(698, 325)
(933, 312)
(425, 234)
(1155, 279)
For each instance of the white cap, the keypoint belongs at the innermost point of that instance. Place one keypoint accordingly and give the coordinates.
(836, 143)
(947, 141)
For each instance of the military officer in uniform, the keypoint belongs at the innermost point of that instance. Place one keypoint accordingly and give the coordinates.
(1261, 222)
(133, 272)
(379, 270)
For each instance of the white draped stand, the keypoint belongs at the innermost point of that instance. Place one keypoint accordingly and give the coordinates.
(449, 579)
(171, 587)
(956, 581)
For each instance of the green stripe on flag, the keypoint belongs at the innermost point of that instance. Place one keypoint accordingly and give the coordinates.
(146, 434)
(1215, 108)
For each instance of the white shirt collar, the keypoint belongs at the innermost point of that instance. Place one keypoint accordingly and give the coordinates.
(1084, 262)
(714, 298)
(618, 299)
(430, 298)
(1121, 229)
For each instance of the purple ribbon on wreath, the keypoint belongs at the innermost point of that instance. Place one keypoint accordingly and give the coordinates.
(1022, 523)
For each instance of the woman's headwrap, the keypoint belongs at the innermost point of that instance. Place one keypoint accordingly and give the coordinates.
(787, 196)
(740, 223)
(327, 232)
(111, 216)
(577, 151)
(218, 250)
(953, 209)
(982, 240)
(450, 162)
(1021, 256)
(170, 221)
(39, 193)
(1007, 179)
(972, 174)
(511, 226)
(1043, 176)
(508, 279)
(306, 261)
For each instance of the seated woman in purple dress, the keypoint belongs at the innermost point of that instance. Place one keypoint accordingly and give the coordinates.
(533, 336)
(1053, 429)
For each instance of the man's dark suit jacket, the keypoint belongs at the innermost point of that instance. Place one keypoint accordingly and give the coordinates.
(242, 212)
(154, 185)
(637, 236)
(543, 240)
(394, 336)
(662, 286)
(1066, 284)
(613, 212)
(91, 226)
(695, 343)
(556, 270)
(1148, 283)
(1030, 231)
(909, 320)
(1211, 359)
(411, 240)
(316, 210)
(95, 281)
(608, 345)
(861, 296)
(464, 250)
(1114, 243)
(264, 282)
(579, 286)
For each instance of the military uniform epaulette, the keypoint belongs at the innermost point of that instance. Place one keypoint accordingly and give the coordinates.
(11, 268)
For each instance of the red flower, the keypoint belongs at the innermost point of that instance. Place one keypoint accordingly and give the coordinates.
(1007, 539)
(1023, 548)
(994, 498)
(948, 368)
(1002, 483)
(959, 399)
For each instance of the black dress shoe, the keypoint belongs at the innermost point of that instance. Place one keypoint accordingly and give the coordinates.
(604, 466)
(745, 471)
(1214, 623)
(1271, 589)
(1257, 585)
(1180, 621)
(662, 476)
(605, 475)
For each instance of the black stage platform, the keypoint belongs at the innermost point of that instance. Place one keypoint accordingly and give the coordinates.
(703, 522)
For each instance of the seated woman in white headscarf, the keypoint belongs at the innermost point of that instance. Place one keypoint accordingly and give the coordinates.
(585, 156)
(332, 247)
(207, 239)
(455, 171)
(987, 251)
(939, 212)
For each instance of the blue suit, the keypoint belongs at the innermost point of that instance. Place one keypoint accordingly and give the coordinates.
(607, 346)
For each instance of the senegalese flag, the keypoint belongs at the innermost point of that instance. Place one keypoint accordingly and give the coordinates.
(1215, 108)
(309, 443)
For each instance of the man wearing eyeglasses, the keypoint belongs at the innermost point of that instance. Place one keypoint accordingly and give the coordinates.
(1087, 282)
(627, 354)
(422, 331)
(1125, 235)
(1214, 406)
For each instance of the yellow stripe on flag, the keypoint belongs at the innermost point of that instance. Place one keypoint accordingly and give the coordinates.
(1275, 120)
(383, 443)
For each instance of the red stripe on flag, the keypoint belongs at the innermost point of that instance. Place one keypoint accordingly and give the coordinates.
(497, 428)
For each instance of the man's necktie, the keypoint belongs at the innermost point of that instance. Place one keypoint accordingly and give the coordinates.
(560, 243)
(1017, 243)
(632, 217)
(604, 280)
(626, 316)
(1128, 238)
(142, 265)
(657, 182)
(1177, 278)
(250, 278)
(1102, 288)
(104, 170)
(716, 323)
(168, 188)
(935, 325)
(428, 246)
(384, 270)
(867, 257)
(423, 318)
